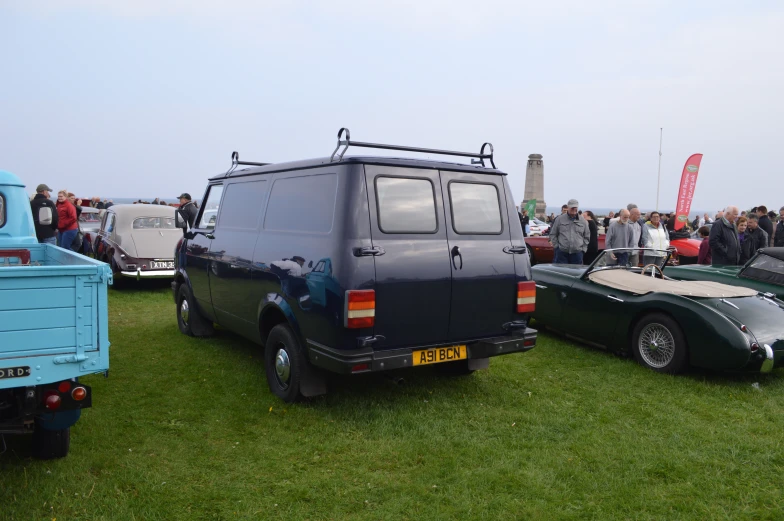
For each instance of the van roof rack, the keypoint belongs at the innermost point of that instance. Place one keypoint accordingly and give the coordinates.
(475, 158)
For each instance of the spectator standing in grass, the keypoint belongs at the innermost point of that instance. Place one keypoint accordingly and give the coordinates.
(593, 243)
(756, 233)
(704, 256)
(606, 222)
(66, 225)
(638, 226)
(620, 235)
(764, 221)
(746, 243)
(725, 248)
(570, 235)
(778, 235)
(45, 217)
(656, 238)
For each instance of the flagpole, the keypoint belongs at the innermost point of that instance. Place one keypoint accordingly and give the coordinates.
(658, 178)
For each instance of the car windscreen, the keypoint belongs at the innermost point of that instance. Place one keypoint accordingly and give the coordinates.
(631, 258)
(153, 223)
(90, 217)
(765, 269)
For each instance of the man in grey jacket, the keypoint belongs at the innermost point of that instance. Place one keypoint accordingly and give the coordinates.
(569, 235)
(620, 235)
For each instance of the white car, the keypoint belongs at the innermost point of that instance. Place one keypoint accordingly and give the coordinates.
(537, 227)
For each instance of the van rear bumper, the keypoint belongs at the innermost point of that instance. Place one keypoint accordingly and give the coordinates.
(367, 359)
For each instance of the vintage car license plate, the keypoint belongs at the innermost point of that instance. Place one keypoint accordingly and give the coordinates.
(14, 372)
(437, 355)
(158, 265)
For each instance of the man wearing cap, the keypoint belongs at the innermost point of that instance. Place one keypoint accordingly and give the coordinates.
(44, 215)
(187, 209)
(570, 235)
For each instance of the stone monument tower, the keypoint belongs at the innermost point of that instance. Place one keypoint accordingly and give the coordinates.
(534, 184)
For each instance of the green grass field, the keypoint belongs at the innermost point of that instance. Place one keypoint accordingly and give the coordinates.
(186, 429)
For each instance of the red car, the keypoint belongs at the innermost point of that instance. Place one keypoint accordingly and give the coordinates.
(541, 251)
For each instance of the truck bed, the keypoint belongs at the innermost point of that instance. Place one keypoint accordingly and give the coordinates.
(53, 316)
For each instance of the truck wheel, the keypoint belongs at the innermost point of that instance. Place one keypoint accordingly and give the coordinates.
(191, 322)
(284, 363)
(51, 444)
(659, 344)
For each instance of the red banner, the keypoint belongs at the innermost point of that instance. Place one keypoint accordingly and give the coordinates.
(686, 192)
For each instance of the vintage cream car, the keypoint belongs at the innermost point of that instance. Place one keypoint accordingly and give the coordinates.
(138, 240)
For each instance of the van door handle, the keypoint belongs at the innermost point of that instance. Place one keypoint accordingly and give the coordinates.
(515, 249)
(456, 253)
(613, 297)
(369, 251)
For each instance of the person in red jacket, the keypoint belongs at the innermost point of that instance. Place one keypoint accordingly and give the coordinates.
(66, 225)
(704, 256)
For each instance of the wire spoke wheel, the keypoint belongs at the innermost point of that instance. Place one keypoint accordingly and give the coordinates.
(656, 345)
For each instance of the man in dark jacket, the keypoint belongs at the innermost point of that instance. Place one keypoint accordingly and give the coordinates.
(188, 210)
(44, 215)
(755, 232)
(724, 244)
(778, 238)
(764, 221)
(524, 221)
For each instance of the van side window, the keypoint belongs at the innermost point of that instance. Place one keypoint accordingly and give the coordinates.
(209, 210)
(406, 205)
(2, 211)
(242, 205)
(475, 208)
(302, 204)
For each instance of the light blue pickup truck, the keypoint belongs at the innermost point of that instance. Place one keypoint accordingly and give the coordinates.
(53, 328)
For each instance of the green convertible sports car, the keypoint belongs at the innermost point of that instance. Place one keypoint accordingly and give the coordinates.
(764, 272)
(666, 324)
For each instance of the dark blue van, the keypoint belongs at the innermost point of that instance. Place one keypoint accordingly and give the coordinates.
(359, 264)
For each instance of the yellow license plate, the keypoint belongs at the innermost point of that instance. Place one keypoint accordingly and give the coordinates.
(440, 354)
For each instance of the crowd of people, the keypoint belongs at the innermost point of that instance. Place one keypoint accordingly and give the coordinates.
(58, 222)
(730, 238)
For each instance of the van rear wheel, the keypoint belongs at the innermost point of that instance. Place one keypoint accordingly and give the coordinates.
(284, 363)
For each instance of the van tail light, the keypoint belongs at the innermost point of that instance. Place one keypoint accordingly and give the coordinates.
(360, 311)
(526, 297)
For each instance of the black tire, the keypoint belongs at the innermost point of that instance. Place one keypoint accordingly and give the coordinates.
(189, 319)
(458, 368)
(659, 344)
(51, 444)
(284, 363)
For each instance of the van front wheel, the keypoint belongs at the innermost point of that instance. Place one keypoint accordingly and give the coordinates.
(190, 321)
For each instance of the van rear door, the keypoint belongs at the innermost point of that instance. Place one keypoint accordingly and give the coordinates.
(484, 283)
(413, 277)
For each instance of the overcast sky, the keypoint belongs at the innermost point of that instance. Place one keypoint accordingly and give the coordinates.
(148, 98)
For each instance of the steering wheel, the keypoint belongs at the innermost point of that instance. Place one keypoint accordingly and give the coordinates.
(653, 271)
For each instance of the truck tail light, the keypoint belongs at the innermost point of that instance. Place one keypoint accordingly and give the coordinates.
(526, 297)
(64, 386)
(79, 393)
(360, 309)
(52, 400)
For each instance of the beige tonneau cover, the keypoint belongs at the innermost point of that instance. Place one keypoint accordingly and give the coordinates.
(641, 284)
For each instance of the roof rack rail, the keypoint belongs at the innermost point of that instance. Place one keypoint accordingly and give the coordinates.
(235, 160)
(475, 158)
